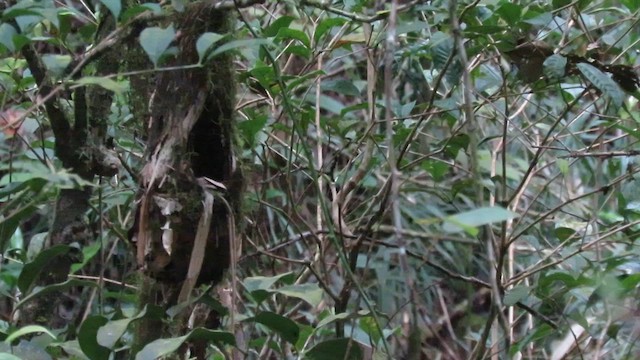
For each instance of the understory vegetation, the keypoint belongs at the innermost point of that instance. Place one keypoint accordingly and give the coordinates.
(349, 179)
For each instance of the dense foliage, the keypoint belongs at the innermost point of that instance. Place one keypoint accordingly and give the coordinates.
(422, 179)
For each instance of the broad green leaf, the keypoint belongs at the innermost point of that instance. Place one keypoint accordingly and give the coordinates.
(263, 282)
(72, 348)
(555, 66)
(42, 262)
(138, 9)
(309, 292)
(370, 327)
(279, 23)
(109, 333)
(341, 86)
(205, 42)
(286, 33)
(560, 3)
(411, 27)
(477, 217)
(87, 338)
(541, 331)
(306, 332)
(250, 128)
(543, 19)
(38, 291)
(326, 25)
(9, 225)
(285, 327)
(162, 347)
(442, 47)
(14, 188)
(26, 330)
(331, 318)
(105, 82)
(232, 45)
(510, 12)
(346, 349)
(563, 166)
(515, 295)
(114, 6)
(155, 41)
(563, 233)
(56, 63)
(437, 169)
(603, 82)
(7, 32)
(455, 144)
(299, 50)
(88, 253)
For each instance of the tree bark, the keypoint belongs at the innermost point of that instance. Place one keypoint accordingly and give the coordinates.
(190, 137)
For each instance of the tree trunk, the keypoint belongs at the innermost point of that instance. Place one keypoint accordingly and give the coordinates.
(189, 151)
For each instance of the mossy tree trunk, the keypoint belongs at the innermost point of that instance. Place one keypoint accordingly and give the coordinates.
(185, 201)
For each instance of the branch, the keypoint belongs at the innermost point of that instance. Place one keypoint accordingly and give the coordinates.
(59, 123)
(383, 14)
(601, 154)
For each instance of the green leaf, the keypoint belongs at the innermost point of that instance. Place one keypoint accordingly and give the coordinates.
(345, 349)
(87, 338)
(441, 49)
(455, 144)
(114, 6)
(7, 32)
(603, 82)
(286, 328)
(155, 41)
(286, 33)
(326, 25)
(88, 253)
(42, 262)
(510, 12)
(560, 3)
(279, 23)
(341, 86)
(72, 348)
(161, 347)
(56, 63)
(554, 66)
(263, 282)
(477, 217)
(9, 225)
(563, 233)
(104, 82)
(132, 11)
(543, 19)
(204, 44)
(251, 127)
(515, 295)
(54, 288)
(543, 331)
(231, 45)
(109, 333)
(437, 169)
(331, 318)
(26, 330)
(309, 292)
